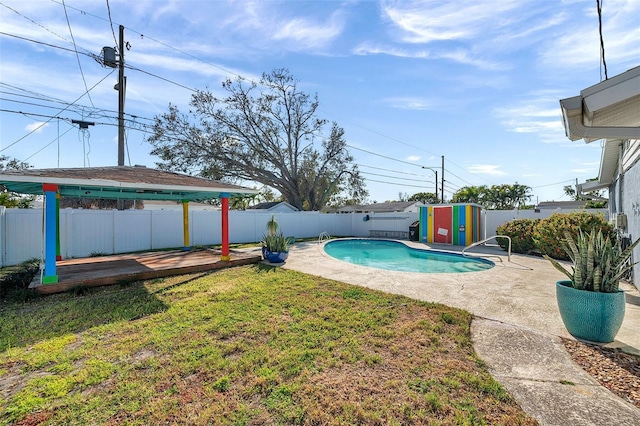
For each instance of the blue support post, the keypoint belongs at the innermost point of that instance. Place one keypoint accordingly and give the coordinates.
(50, 233)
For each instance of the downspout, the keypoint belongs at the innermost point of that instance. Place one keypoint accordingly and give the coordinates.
(620, 178)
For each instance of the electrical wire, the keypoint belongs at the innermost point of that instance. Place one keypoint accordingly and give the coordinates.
(400, 178)
(111, 23)
(47, 145)
(604, 62)
(75, 48)
(36, 23)
(396, 183)
(389, 170)
(62, 110)
(69, 120)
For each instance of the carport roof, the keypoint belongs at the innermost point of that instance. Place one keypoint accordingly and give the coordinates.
(120, 182)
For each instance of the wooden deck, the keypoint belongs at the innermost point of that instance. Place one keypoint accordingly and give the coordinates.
(107, 270)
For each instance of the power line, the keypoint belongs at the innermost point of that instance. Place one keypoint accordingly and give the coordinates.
(42, 149)
(141, 126)
(383, 156)
(551, 184)
(47, 44)
(64, 109)
(38, 24)
(75, 48)
(157, 41)
(111, 23)
(401, 178)
(389, 170)
(46, 98)
(159, 77)
(396, 183)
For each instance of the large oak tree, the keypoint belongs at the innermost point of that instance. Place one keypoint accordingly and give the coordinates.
(266, 132)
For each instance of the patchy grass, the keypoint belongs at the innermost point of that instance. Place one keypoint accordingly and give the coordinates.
(250, 345)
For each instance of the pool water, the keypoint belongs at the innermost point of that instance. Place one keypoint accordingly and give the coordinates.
(395, 256)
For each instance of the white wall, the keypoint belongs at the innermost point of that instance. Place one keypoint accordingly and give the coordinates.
(86, 232)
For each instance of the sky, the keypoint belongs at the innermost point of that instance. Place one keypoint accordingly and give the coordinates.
(474, 85)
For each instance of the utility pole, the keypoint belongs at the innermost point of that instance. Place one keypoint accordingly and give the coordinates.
(442, 188)
(121, 94)
(436, 173)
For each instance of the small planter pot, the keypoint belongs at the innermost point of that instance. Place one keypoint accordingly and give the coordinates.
(590, 315)
(275, 256)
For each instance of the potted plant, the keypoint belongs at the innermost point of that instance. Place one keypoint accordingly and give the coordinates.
(275, 246)
(591, 304)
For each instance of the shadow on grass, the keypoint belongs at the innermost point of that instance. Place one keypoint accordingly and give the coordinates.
(26, 323)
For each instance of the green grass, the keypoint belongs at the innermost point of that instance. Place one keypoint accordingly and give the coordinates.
(250, 345)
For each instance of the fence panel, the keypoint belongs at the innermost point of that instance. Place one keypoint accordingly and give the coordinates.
(167, 229)
(23, 239)
(83, 232)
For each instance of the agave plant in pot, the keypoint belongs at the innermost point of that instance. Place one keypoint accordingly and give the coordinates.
(275, 246)
(591, 304)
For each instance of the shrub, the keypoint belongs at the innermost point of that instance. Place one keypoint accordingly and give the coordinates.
(521, 233)
(548, 234)
(17, 278)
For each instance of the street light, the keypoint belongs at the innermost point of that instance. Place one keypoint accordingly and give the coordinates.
(436, 173)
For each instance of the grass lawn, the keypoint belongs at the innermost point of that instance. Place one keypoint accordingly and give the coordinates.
(245, 346)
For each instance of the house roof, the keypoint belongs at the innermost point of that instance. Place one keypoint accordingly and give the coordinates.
(607, 110)
(271, 204)
(120, 182)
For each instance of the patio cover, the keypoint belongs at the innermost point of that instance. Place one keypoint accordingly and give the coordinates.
(120, 182)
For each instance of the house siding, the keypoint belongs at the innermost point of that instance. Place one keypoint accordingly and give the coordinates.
(625, 198)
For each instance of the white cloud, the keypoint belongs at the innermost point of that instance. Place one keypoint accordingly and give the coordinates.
(36, 127)
(369, 49)
(310, 34)
(537, 114)
(486, 169)
(429, 21)
(413, 158)
(578, 45)
(409, 103)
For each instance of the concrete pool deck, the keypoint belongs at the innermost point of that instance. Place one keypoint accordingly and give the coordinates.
(516, 328)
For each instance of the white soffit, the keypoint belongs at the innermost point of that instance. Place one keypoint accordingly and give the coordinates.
(607, 110)
(609, 160)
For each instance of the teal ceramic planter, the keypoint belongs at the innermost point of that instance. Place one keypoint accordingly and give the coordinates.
(590, 315)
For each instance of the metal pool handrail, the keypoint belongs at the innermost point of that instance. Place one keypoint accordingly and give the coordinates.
(323, 236)
(494, 245)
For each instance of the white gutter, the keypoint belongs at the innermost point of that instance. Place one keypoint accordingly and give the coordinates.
(572, 115)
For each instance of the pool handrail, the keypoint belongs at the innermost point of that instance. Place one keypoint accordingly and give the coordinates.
(494, 245)
(323, 236)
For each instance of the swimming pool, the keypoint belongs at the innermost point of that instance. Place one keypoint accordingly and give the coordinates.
(396, 256)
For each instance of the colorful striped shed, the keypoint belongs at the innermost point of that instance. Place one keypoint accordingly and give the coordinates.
(457, 224)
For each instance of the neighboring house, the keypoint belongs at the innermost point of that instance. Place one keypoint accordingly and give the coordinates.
(610, 110)
(274, 207)
(392, 207)
(563, 205)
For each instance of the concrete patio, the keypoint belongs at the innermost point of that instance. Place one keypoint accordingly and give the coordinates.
(516, 329)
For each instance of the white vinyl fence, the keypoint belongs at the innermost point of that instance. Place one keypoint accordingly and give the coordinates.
(87, 232)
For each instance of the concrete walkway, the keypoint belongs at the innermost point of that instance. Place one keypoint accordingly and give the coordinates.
(516, 329)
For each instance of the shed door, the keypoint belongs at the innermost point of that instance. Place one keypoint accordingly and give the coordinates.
(442, 222)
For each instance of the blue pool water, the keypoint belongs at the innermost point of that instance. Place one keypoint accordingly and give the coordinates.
(395, 256)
